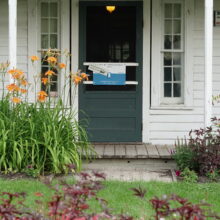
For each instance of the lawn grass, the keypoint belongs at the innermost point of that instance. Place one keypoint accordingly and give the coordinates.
(120, 197)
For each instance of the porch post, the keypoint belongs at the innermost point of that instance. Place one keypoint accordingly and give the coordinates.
(208, 61)
(12, 33)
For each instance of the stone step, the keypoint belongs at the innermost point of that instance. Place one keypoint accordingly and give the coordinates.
(133, 169)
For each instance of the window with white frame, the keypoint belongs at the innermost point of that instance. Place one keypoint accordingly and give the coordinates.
(172, 52)
(49, 35)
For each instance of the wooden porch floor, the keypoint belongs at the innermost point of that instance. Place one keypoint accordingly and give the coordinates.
(133, 151)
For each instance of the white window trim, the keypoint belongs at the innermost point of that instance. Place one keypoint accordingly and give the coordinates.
(59, 22)
(157, 100)
(56, 93)
(172, 100)
(34, 41)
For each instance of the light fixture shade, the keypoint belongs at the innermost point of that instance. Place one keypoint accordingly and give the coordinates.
(110, 8)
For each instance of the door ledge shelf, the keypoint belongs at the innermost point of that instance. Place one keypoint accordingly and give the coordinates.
(126, 83)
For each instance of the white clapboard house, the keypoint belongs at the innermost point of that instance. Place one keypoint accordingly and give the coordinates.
(170, 50)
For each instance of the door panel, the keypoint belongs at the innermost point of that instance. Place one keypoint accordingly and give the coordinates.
(112, 113)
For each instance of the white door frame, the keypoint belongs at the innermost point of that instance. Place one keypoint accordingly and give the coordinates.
(146, 60)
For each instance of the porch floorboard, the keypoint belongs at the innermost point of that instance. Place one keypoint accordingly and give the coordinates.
(132, 151)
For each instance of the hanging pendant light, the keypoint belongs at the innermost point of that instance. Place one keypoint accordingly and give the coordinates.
(110, 8)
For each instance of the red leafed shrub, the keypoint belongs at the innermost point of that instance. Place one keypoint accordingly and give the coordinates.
(70, 202)
(201, 151)
(179, 208)
(176, 208)
(205, 144)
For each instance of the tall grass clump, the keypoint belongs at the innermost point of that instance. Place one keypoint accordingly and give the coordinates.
(44, 136)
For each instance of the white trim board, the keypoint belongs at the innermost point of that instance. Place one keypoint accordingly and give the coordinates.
(75, 49)
(158, 48)
(146, 71)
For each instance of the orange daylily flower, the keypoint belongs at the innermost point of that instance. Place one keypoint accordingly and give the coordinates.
(34, 58)
(62, 65)
(77, 79)
(16, 73)
(42, 93)
(42, 96)
(24, 82)
(51, 59)
(16, 100)
(44, 80)
(50, 73)
(23, 91)
(13, 87)
(84, 76)
(12, 71)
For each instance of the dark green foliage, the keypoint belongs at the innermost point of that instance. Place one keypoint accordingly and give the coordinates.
(205, 143)
(201, 152)
(184, 156)
(189, 176)
(38, 136)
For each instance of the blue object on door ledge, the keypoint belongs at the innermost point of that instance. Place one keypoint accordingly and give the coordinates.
(109, 79)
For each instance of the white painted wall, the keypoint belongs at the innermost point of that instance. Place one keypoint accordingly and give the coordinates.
(161, 126)
(22, 34)
(166, 125)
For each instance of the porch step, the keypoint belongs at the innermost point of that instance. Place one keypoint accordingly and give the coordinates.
(133, 162)
(132, 151)
(133, 169)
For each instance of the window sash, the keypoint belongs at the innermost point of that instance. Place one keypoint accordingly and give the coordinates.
(172, 83)
(49, 35)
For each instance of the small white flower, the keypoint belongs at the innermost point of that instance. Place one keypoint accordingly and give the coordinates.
(164, 196)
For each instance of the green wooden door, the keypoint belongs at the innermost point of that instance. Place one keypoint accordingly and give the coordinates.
(112, 113)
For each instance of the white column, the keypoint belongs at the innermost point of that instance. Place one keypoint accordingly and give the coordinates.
(208, 60)
(12, 33)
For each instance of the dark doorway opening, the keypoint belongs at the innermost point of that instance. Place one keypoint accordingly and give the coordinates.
(114, 113)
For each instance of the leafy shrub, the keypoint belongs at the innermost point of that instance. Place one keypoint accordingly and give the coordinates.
(175, 207)
(184, 156)
(205, 143)
(71, 202)
(189, 176)
(43, 136)
(202, 151)
(213, 175)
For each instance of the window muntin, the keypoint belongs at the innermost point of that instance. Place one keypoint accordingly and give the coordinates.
(49, 24)
(172, 52)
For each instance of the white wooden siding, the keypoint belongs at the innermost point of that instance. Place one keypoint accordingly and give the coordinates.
(161, 126)
(22, 34)
(166, 125)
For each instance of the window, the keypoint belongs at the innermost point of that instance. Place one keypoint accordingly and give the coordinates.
(49, 21)
(49, 25)
(172, 53)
